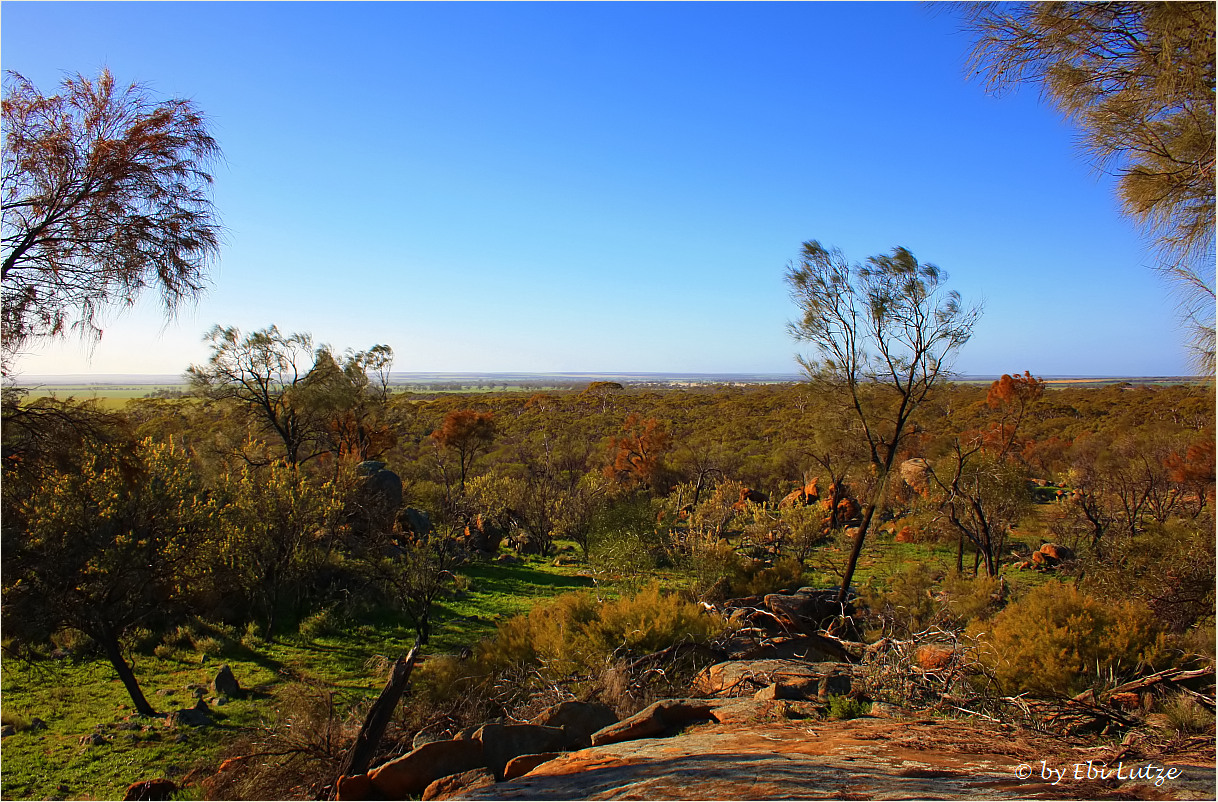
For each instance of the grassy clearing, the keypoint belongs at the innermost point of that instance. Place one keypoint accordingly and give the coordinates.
(77, 699)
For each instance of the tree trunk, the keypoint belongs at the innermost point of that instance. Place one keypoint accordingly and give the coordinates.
(854, 553)
(369, 737)
(960, 553)
(114, 652)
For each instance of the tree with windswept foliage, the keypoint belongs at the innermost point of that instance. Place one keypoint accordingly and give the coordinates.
(885, 333)
(1138, 79)
(265, 373)
(105, 191)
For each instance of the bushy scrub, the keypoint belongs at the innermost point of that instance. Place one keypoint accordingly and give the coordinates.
(573, 639)
(627, 538)
(1058, 640)
(919, 598)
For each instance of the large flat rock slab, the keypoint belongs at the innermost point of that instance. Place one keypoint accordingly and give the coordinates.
(861, 759)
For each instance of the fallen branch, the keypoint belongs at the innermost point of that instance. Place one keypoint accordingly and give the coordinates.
(369, 738)
(1172, 675)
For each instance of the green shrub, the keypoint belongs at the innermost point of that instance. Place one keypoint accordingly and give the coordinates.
(627, 540)
(1058, 640)
(756, 578)
(324, 622)
(575, 637)
(919, 598)
(845, 708)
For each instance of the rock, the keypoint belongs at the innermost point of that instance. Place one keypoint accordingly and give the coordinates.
(355, 787)
(778, 691)
(426, 737)
(508, 559)
(415, 521)
(745, 677)
(916, 474)
(656, 719)
(158, 789)
(1127, 700)
(1054, 553)
(37, 724)
(523, 764)
(92, 739)
(578, 721)
(806, 612)
(502, 742)
(410, 774)
(197, 716)
(225, 684)
(836, 684)
(457, 784)
(7, 730)
(934, 657)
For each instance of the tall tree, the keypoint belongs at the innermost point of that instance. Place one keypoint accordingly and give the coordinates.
(265, 373)
(105, 191)
(468, 433)
(1138, 80)
(885, 332)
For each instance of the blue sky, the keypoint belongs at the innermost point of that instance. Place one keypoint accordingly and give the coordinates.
(608, 187)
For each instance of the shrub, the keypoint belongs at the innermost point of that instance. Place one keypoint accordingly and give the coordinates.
(627, 540)
(1058, 640)
(1187, 716)
(845, 708)
(918, 599)
(572, 641)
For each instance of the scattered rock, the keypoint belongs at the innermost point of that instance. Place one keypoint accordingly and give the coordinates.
(158, 789)
(7, 730)
(457, 784)
(578, 721)
(225, 684)
(523, 764)
(502, 742)
(741, 677)
(92, 739)
(37, 724)
(657, 719)
(1056, 553)
(426, 737)
(410, 774)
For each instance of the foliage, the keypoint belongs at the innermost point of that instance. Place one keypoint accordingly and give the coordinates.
(918, 598)
(626, 539)
(1138, 79)
(105, 191)
(104, 549)
(274, 524)
(468, 433)
(577, 636)
(844, 708)
(885, 333)
(1057, 640)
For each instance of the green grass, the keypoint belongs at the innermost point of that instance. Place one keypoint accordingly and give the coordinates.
(79, 698)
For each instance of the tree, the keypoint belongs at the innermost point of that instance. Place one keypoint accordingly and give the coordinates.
(1138, 79)
(104, 192)
(306, 399)
(265, 373)
(468, 433)
(103, 548)
(885, 332)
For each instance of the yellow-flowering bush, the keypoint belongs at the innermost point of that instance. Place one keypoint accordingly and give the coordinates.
(1058, 640)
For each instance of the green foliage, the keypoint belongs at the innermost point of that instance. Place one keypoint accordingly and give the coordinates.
(1057, 640)
(918, 598)
(626, 538)
(845, 708)
(575, 635)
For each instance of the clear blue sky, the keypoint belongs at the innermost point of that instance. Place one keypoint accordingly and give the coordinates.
(606, 187)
